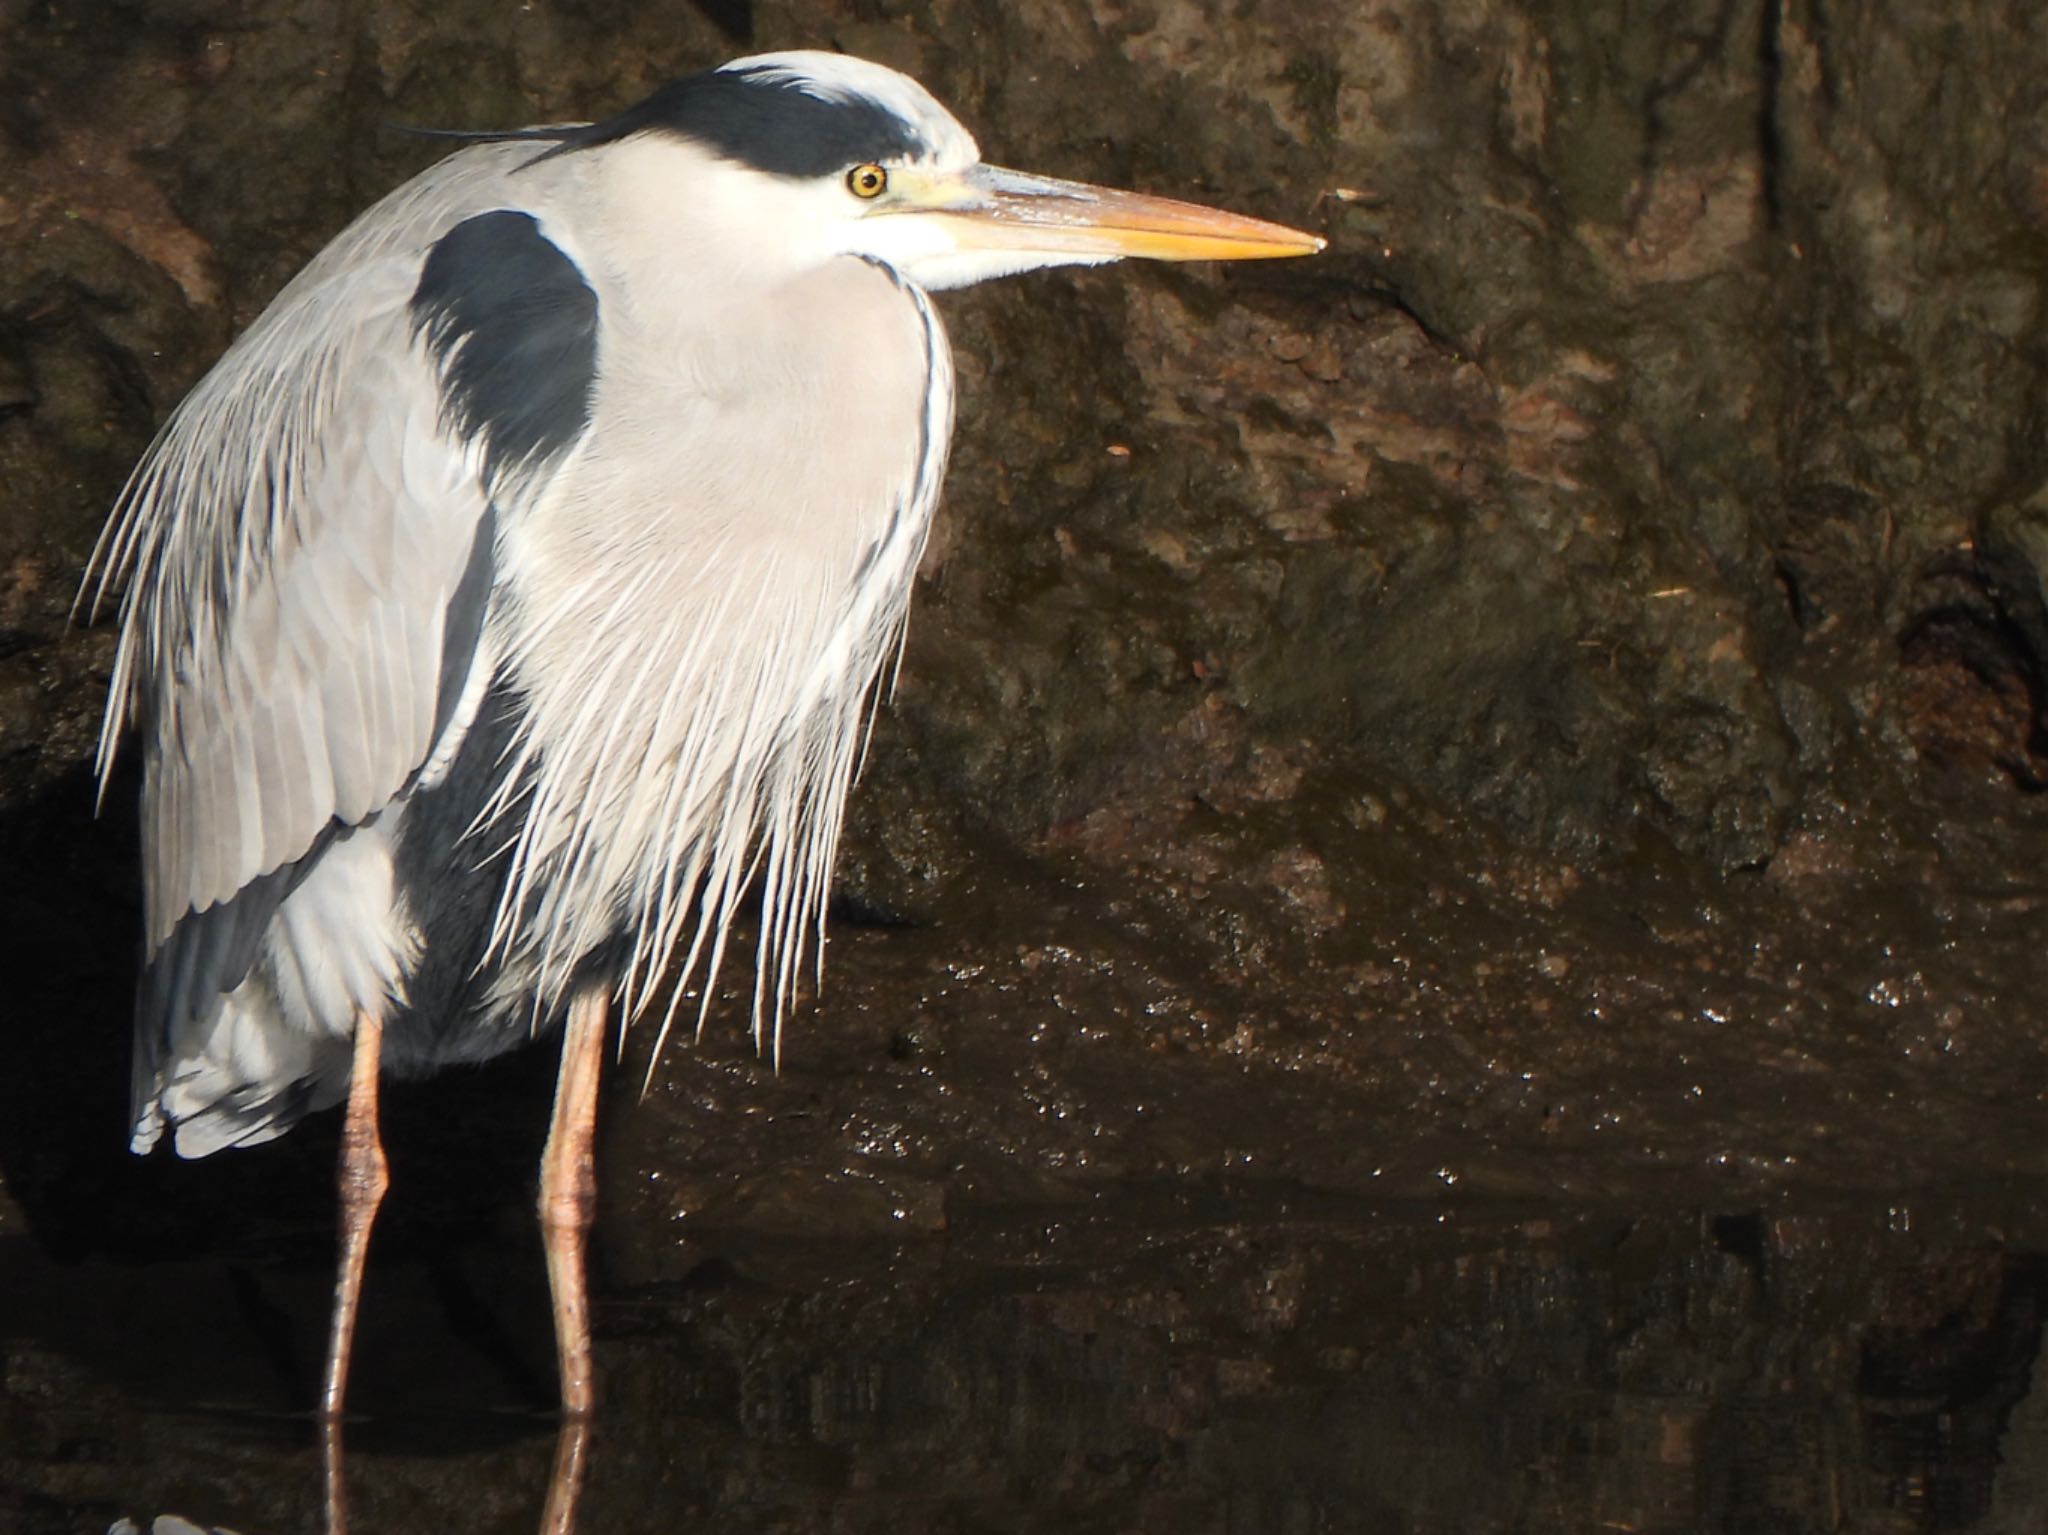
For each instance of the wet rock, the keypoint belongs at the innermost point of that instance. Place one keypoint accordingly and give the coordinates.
(1506, 497)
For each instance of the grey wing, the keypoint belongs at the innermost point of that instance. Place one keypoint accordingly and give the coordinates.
(309, 553)
(294, 536)
(308, 539)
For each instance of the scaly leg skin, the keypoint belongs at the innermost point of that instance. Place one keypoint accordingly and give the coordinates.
(364, 1177)
(568, 1198)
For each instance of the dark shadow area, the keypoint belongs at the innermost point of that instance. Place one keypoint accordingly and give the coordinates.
(179, 1255)
(733, 18)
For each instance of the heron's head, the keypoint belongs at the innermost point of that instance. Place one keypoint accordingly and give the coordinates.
(787, 159)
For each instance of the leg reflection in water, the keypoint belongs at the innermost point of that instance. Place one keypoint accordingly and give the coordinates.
(558, 1513)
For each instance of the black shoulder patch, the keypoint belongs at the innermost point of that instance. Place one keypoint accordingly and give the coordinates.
(765, 119)
(513, 326)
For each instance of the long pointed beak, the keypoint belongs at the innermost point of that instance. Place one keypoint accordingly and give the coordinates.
(988, 208)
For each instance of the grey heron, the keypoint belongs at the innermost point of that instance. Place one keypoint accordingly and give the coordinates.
(510, 598)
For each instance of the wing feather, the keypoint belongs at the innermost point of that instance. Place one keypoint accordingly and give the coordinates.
(308, 555)
(284, 655)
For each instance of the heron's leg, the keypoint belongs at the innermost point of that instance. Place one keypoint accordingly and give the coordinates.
(568, 1194)
(363, 1181)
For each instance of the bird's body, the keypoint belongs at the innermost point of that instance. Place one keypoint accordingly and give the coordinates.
(511, 597)
(323, 841)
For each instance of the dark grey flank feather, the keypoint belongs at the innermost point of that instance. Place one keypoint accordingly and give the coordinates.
(208, 953)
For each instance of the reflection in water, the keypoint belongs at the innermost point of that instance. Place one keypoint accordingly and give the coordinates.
(1416, 1370)
(559, 1507)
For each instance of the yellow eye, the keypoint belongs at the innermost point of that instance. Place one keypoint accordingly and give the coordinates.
(867, 181)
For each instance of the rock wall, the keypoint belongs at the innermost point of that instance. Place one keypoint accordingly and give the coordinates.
(1648, 485)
